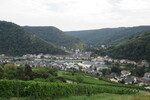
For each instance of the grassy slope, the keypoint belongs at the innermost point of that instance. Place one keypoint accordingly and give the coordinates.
(103, 96)
(106, 96)
(91, 80)
(86, 79)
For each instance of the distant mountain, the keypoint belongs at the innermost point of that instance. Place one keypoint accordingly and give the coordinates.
(16, 41)
(137, 48)
(109, 36)
(56, 36)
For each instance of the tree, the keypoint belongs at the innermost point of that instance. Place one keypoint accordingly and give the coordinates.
(28, 72)
(9, 71)
(106, 72)
(72, 71)
(1, 72)
(53, 72)
(20, 73)
(115, 70)
(140, 71)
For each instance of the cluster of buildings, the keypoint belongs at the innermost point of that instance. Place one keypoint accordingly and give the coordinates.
(86, 66)
(145, 80)
(126, 78)
(122, 61)
(77, 60)
(123, 77)
(73, 56)
(80, 61)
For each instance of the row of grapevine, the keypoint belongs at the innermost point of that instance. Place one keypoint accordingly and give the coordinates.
(13, 88)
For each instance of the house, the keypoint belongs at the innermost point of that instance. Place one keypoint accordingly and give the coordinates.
(143, 63)
(129, 80)
(116, 61)
(110, 60)
(40, 56)
(148, 87)
(112, 76)
(123, 61)
(145, 79)
(84, 65)
(114, 80)
(147, 75)
(99, 59)
(17, 63)
(125, 73)
(89, 70)
(131, 62)
(142, 81)
(97, 73)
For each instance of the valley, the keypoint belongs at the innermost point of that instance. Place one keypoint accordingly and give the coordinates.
(74, 50)
(46, 57)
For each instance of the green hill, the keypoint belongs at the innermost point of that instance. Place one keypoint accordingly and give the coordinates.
(56, 36)
(109, 36)
(16, 41)
(137, 48)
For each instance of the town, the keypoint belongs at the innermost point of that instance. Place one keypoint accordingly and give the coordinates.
(84, 62)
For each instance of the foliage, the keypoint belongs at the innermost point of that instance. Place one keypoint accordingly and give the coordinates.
(140, 71)
(101, 96)
(15, 41)
(28, 73)
(107, 96)
(45, 74)
(137, 48)
(8, 71)
(100, 82)
(56, 36)
(100, 51)
(116, 70)
(54, 90)
(106, 72)
(79, 79)
(109, 36)
(85, 79)
(20, 74)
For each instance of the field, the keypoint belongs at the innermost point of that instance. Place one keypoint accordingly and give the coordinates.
(92, 80)
(13, 88)
(106, 96)
(81, 86)
(102, 96)
(86, 79)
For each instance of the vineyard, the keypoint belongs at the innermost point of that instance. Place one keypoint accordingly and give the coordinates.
(86, 79)
(17, 88)
(92, 81)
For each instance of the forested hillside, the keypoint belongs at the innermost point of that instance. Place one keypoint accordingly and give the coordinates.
(137, 48)
(56, 36)
(16, 41)
(109, 36)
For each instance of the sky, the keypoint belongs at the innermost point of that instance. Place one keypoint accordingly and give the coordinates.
(69, 15)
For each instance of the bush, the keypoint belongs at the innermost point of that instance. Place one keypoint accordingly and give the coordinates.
(79, 79)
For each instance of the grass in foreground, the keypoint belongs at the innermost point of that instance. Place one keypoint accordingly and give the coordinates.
(106, 96)
(103, 96)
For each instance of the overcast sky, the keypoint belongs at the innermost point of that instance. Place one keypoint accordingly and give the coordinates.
(76, 14)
